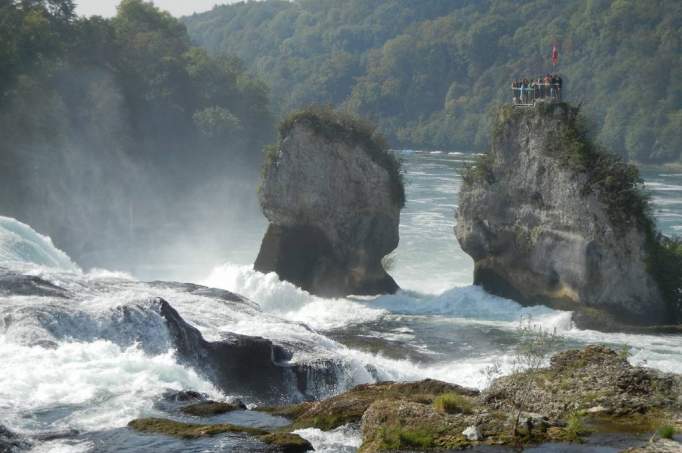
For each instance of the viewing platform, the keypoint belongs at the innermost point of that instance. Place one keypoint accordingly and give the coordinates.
(544, 89)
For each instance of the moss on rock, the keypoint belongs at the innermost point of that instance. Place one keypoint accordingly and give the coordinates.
(208, 408)
(287, 442)
(289, 411)
(189, 430)
(350, 406)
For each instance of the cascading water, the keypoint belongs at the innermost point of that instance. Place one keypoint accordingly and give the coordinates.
(83, 353)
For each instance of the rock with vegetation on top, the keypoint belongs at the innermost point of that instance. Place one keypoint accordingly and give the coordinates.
(278, 441)
(434, 415)
(349, 407)
(286, 442)
(548, 217)
(332, 193)
(590, 378)
(209, 408)
(189, 430)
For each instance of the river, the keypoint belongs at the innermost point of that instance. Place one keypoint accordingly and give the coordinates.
(439, 326)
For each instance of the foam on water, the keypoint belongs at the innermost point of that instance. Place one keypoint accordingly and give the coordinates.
(288, 301)
(344, 439)
(86, 386)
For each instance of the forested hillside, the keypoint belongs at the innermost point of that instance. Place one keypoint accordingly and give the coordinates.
(428, 71)
(117, 136)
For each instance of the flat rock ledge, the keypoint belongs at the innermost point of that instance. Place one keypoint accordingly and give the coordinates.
(593, 390)
(278, 441)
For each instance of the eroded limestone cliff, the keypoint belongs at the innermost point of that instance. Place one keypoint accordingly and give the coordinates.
(332, 193)
(548, 218)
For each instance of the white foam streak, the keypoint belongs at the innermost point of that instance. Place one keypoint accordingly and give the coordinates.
(20, 244)
(288, 301)
(88, 386)
(344, 439)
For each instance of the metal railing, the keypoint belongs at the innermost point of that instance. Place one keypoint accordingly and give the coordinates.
(529, 94)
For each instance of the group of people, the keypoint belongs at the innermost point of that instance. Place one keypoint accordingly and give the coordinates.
(527, 91)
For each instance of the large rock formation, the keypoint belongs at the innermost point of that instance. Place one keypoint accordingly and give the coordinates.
(548, 218)
(332, 193)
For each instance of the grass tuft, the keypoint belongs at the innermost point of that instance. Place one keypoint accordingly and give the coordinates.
(452, 403)
(666, 431)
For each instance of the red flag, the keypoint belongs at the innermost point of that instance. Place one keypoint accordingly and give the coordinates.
(555, 56)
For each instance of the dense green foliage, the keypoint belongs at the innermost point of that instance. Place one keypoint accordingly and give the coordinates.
(665, 263)
(118, 131)
(428, 71)
(340, 126)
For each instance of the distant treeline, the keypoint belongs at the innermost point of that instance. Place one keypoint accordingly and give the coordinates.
(428, 71)
(116, 135)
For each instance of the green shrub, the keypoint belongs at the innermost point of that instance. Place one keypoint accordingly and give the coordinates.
(666, 431)
(665, 265)
(480, 170)
(452, 403)
(574, 428)
(344, 127)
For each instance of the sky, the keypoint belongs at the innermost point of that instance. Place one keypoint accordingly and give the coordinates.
(107, 8)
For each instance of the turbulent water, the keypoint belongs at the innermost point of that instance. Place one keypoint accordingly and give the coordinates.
(76, 366)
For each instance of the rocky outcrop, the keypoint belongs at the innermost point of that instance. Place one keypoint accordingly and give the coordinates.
(349, 407)
(596, 381)
(332, 193)
(583, 392)
(11, 442)
(550, 219)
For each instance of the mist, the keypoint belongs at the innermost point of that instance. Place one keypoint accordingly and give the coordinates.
(133, 150)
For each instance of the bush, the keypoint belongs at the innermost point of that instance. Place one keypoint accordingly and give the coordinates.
(452, 403)
(665, 265)
(480, 170)
(574, 428)
(343, 127)
(666, 431)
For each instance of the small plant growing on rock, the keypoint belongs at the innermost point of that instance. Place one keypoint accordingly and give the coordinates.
(530, 355)
(480, 170)
(574, 427)
(666, 432)
(452, 403)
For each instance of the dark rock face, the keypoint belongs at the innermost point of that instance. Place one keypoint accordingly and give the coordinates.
(332, 213)
(542, 231)
(13, 284)
(11, 442)
(249, 365)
